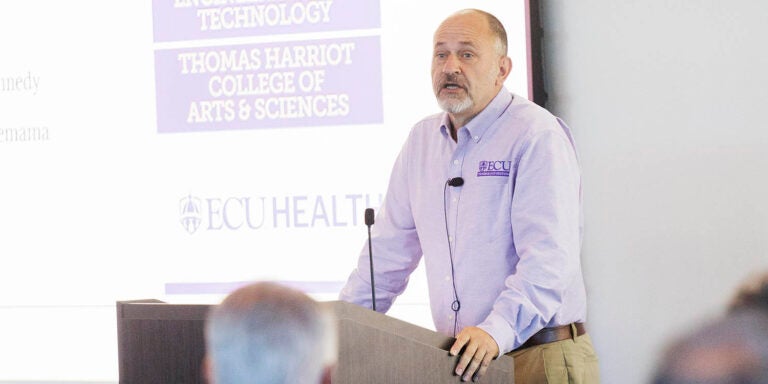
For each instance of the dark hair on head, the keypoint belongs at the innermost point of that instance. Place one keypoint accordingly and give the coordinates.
(496, 28)
(753, 293)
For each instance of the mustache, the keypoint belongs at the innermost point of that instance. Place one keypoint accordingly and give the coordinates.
(452, 79)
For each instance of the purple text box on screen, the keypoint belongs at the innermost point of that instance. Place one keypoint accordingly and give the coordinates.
(347, 91)
(179, 20)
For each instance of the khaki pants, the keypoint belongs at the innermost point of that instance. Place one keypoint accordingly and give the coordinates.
(571, 361)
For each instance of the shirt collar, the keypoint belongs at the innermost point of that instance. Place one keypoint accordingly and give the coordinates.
(480, 123)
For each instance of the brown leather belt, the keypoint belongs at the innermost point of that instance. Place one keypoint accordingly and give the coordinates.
(550, 335)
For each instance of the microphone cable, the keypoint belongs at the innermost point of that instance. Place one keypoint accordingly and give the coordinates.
(456, 305)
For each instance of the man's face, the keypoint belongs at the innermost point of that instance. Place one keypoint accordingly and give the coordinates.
(467, 68)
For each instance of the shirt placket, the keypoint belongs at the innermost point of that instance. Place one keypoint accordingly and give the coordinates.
(453, 197)
(454, 193)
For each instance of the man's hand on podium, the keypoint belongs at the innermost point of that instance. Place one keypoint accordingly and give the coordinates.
(479, 349)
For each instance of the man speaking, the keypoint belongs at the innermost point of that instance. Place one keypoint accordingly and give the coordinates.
(489, 193)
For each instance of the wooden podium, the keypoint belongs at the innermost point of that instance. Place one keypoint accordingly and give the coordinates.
(163, 343)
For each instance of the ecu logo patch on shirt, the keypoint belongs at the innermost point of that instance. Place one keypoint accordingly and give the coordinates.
(494, 168)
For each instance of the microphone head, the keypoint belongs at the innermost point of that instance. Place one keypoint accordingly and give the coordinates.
(456, 182)
(369, 216)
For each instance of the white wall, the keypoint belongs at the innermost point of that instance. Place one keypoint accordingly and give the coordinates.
(667, 101)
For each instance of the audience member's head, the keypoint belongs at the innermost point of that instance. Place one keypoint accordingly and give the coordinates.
(731, 350)
(752, 294)
(268, 333)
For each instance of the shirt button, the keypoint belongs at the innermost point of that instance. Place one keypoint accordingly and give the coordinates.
(477, 138)
(456, 162)
(450, 317)
(447, 278)
(454, 199)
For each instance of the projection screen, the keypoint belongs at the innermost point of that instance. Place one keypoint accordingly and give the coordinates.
(177, 149)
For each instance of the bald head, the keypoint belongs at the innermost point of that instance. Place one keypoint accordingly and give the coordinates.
(493, 24)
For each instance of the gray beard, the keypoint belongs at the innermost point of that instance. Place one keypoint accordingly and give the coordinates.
(455, 106)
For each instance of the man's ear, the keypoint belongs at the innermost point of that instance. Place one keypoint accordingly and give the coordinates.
(328, 374)
(207, 369)
(505, 68)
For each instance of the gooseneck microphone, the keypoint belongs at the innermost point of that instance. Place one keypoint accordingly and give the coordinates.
(368, 223)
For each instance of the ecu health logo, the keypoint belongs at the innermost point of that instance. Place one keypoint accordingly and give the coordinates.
(189, 213)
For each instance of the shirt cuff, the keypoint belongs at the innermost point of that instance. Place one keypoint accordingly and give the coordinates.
(501, 332)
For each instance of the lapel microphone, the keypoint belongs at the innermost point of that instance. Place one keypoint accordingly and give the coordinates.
(456, 182)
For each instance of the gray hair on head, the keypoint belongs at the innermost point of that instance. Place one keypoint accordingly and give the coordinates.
(268, 333)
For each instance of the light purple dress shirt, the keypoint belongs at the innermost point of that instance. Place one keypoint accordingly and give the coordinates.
(514, 225)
